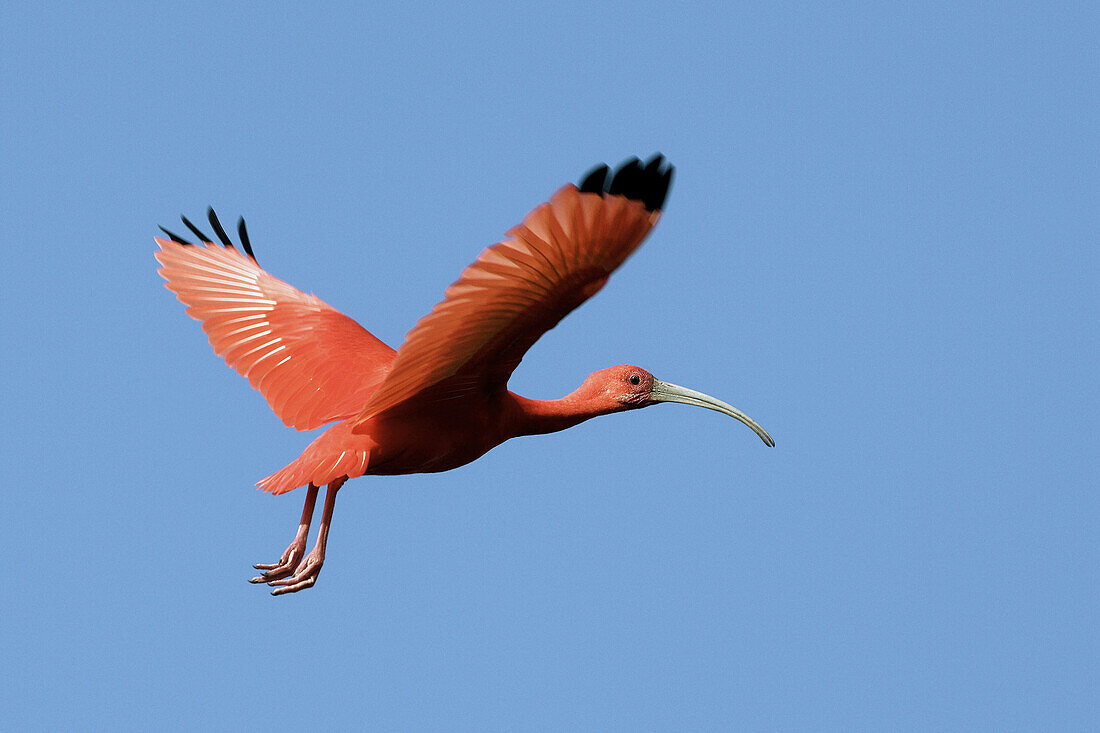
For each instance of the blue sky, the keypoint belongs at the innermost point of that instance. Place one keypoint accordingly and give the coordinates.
(881, 243)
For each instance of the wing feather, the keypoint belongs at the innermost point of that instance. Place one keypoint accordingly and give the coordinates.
(312, 364)
(560, 255)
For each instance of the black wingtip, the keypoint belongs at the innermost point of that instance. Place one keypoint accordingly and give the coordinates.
(175, 237)
(218, 230)
(596, 180)
(213, 219)
(648, 183)
(244, 239)
(195, 230)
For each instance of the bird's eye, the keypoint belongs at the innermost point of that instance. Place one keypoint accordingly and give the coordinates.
(635, 379)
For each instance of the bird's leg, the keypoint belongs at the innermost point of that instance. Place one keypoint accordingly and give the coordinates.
(293, 554)
(305, 575)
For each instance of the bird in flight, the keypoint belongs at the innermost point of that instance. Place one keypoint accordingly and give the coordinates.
(441, 400)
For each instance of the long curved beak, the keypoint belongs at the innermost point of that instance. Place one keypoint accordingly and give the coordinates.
(665, 392)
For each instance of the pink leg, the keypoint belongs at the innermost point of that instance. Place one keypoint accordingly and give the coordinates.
(293, 554)
(305, 575)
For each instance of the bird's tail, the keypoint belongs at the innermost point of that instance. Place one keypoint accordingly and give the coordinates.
(334, 454)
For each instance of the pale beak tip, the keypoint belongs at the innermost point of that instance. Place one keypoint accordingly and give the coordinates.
(666, 392)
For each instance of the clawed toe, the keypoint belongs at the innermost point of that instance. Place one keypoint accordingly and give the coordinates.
(305, 575)
(287, 565)
(270, 575)
(307, 583)
(272, 566)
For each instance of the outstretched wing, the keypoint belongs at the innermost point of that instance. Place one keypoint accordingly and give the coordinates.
(518, 289)
(312, 363)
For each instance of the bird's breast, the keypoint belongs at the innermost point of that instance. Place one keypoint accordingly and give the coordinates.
(429, 443)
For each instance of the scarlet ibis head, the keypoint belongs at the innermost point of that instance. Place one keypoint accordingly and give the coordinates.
(627, 387)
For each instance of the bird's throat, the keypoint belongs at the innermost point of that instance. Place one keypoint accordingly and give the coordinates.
(537, 417)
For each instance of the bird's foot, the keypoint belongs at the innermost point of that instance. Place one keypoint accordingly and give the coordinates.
(287, 565)
(305, 575)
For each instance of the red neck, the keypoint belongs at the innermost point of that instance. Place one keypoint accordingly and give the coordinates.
(535, 417)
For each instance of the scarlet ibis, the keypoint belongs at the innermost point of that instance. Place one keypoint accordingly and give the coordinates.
(441, 400)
